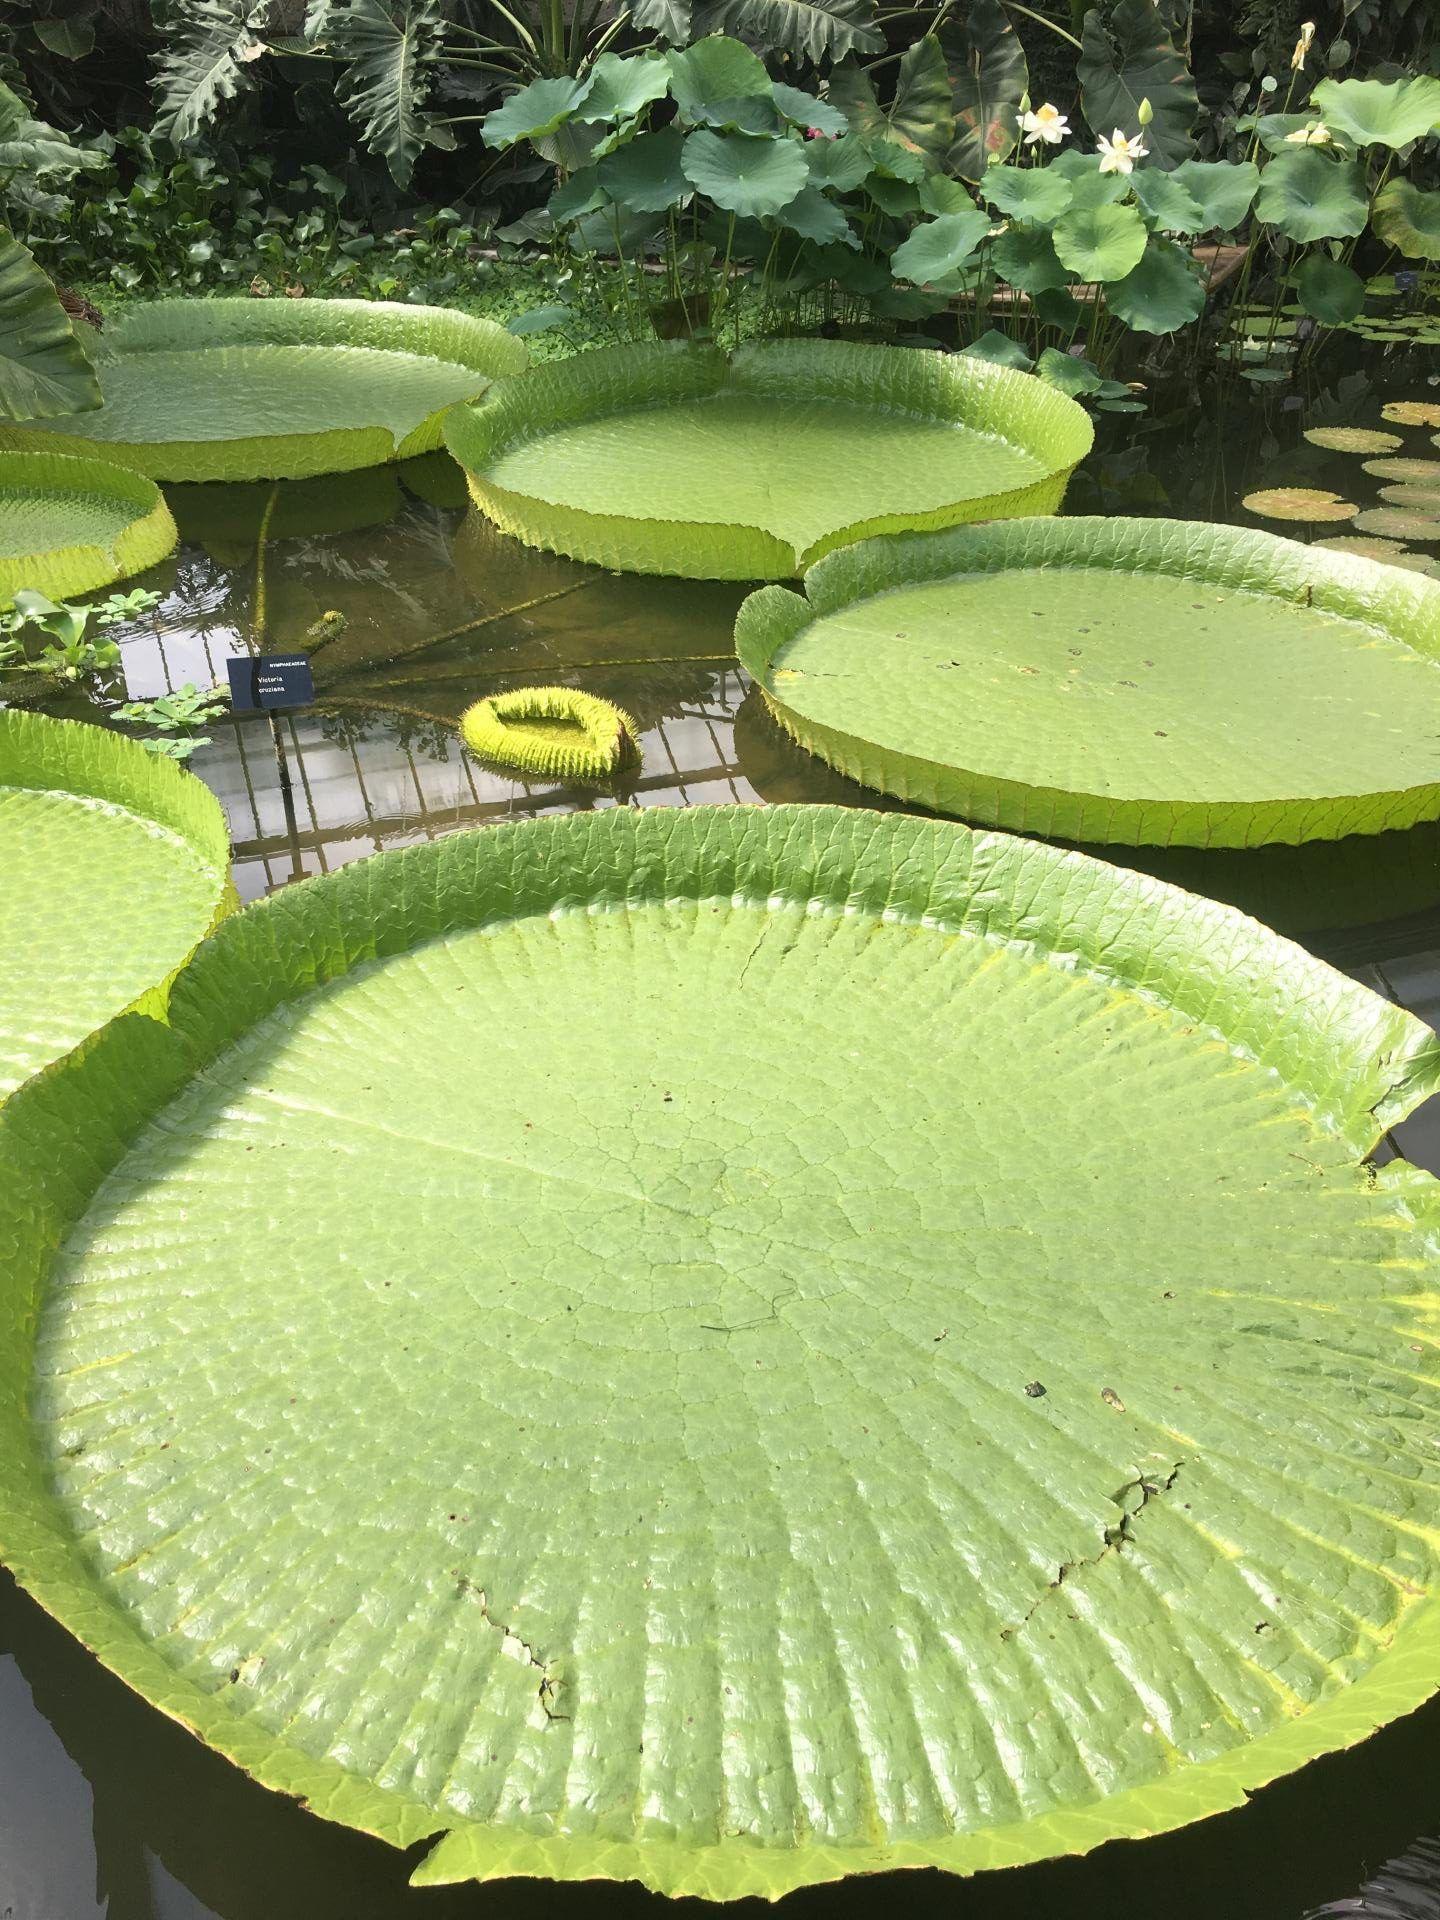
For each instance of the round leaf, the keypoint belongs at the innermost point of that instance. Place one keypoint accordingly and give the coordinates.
(999, 350)
(708, 78)
(940, 246)
(745, 173)
(1381, 113)
(1164, 292)
(534, 111)
(1310, 195)
(1101, 243)
(1224, 190)
(1069, 372)
(1029, 193)
(1026, 257)
(804, 110)
(841, 164)
(1089, 187)
(1167, 204)
(1407, 218)
(621, 88)
(1328, 290)
(646, 176)
(815, 218)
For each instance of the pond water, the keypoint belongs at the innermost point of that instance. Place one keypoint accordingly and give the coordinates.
(108, 1809)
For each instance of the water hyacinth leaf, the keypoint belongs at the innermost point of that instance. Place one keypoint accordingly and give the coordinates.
(532, 112)
(1353, 439)
(1388, 113)
(1101, 243)
(1167, 204)
(708, 77)
(1412, 413)
(1089, 187)
(805, 110)
(44, 370)
(1132, 58)
(744, 173)
(815, 218)
(645, 459)
(646, 176)
(956, 670)
(1237, 1058)
(1307, 504)
(841, 164)
(241, 389)
(1310, 195)
(920, 115)
(1399, 522)
(1026, 258)
(113, 866)
(1328, 290)
(1070, 372)
(1160, 295)
(71, 525)
(939, 246)
(1000, 351)
(1418, 470)
(1407, 218)
(1029, 193)
(1224, 190)
(988, 79)
(620, 87)
(810, 30)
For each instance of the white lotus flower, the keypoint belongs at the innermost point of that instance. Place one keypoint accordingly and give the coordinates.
(1119, 154)
(1317, 134)
(1045, 124)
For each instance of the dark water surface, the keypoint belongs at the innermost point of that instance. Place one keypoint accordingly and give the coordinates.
(106, 1808)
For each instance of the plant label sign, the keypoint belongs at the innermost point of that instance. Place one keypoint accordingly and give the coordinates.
(262, 681)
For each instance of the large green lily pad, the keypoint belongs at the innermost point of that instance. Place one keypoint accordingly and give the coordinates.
(279, 389)
(113, 867)
(1141, 681)
(907, 1364)
(679, 459)
(68, 525)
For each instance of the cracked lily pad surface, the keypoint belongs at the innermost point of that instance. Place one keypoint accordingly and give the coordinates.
(113, 866)
(971, 1401)
(678, 459)
(245, 389)
(1136, 681)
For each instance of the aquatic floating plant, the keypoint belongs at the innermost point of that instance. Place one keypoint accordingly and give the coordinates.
(1135, 681)
(68, 525)
(277, 389)
(680, 459)
(113, 866)
(556, 732)
(693, 1494)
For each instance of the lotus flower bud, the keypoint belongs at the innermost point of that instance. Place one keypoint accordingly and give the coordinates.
(1146, 113)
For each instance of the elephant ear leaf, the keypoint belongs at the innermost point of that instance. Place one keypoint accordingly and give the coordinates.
(1132, 58)
(988, 79)
(208, 64)
(920, 115)
(44, 370)
(812, 30)
(390, 49)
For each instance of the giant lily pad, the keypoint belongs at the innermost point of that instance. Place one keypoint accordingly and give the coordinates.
(680, 459)
(713, 1457)
(277, 389)
(68, 525)
(1140, 681)
(113, 866)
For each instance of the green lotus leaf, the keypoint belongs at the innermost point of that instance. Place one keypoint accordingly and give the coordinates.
(1163, 293)
(805, 110)
(1000, 351)
(276, 389)
(1328, 290)
(1026, 257)
(1114, 680)
(1128, 58)
(1167, 203)
(1224, 190)
(646, 176)
(989, 75)
(709, 78)
(841, 164)
(938, 193)
(1380, 113)
(1069, 372)
(530, 113)
(1029, 193)
(114, 865)
(1274, 130)
(620, 88)
(1310, 195)
(68, 525)
(679, 459)
(44, 370)
(734, 1348)
(815, 218)
(558, 733)
(1407, 218)
(575, 197)
(1089, 187)
(937, 247)
(1100, 243)
(744, 173)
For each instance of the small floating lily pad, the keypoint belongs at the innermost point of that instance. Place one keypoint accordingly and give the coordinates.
(1423, 499)
(1115, 680)
(68, 525)
(680, 459)
(277, 389)
(558, 733)
(1399, 522)
(1310, 504)
(1353, 439)
(1375, 548)
(1406, 469)
(113, 866)
(1412, 413)
(677, 1203)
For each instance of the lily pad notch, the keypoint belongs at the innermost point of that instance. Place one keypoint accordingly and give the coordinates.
(677, 458)
(69, 525)
(1136, 682)
(557, 733)
(238, 389)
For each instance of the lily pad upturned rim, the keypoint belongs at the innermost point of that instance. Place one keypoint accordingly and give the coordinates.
(1366, 1063)
(71, 566)
(616, 379)
(1247, 559)
(195, 325)
(73, 758)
